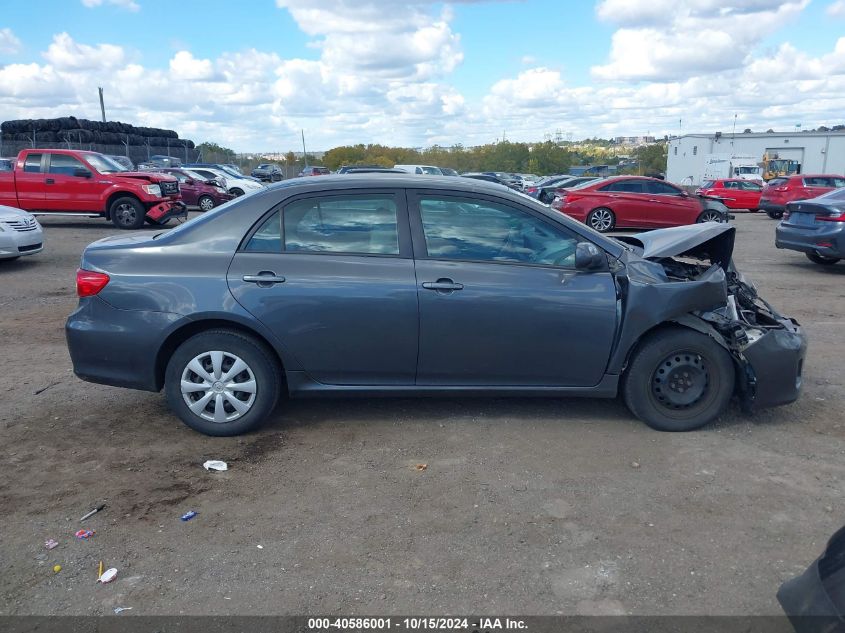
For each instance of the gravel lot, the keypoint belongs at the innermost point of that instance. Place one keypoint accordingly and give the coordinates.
(526, 506)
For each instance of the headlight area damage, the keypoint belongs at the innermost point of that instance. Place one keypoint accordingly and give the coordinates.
(685, 275)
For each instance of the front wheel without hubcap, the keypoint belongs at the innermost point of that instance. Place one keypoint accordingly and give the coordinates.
(678, 380)
(602, 220)
(222, 383)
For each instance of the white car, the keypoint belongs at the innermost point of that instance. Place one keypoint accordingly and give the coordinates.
(20, 233)
(235, 186)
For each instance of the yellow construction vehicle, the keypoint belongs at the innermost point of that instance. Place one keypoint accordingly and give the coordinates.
(773, 166)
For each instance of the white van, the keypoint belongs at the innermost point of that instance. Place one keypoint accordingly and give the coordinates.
(429, 170)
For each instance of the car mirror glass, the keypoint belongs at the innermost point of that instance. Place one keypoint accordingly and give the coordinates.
(588, 256)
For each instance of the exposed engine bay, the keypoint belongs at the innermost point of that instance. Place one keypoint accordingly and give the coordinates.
(687, 277)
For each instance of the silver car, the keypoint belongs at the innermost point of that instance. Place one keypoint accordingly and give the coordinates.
(20, 233)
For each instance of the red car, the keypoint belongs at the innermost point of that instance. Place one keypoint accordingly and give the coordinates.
(634, 201)
(198, 191)
(734, 192)
(778, 191)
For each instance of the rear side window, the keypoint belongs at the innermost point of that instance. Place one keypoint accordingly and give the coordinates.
(777, 182)
(627, 186)
(33, 163)
(749, 186)
(363, 224)
(824, 181)
(268, 237)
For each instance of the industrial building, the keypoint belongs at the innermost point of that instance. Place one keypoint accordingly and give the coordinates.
(802, 152)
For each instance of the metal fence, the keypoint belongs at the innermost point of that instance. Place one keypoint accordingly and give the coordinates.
(136, 153)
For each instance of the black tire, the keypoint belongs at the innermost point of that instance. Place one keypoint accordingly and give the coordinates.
(260, 364)
(10, 259)
(205, 203)
(775, 215)
(236, 191)
(127, 213)
(651, 388)
(708, 215)
(601, 219)
(821, 259)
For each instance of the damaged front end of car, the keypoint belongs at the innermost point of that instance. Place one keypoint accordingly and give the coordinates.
(685, 275)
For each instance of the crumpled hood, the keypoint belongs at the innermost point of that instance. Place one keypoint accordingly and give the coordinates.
(712, 241)
(152, 177)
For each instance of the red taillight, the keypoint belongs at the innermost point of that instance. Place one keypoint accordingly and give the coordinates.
(831, 218)
(89, 283)
(531, 190)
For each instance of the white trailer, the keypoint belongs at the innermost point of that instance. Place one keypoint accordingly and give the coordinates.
(744, 167)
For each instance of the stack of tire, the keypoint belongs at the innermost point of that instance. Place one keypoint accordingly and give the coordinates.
(83, 131)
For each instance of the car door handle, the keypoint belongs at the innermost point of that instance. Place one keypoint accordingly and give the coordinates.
(653, 200)
(50, 181)
(264, 279)
(442, 284)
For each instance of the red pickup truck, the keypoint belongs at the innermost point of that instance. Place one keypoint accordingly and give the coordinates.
(71, 182)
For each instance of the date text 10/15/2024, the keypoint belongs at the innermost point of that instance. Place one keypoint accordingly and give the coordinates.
(415, 624)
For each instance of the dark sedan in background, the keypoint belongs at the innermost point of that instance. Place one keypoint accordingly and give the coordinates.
(389, 284)
(815, 227)
(267, 172)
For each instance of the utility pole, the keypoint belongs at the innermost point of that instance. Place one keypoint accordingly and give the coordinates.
(102, 105)
(304, 153)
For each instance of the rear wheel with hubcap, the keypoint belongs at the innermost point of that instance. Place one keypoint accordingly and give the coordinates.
(775, 215)
(678, 380)
(601, 219)
(222, 382)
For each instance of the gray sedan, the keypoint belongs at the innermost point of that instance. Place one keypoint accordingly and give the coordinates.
(815, 227)
(384, 285)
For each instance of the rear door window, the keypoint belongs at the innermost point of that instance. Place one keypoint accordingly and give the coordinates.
(824, 181)
(363, 224)
(662, 188)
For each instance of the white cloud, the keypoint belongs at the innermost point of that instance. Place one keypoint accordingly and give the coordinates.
(836, 9)
(65, 54)
(185, 66)
(129, 5)
(665, 40)
(9, 43)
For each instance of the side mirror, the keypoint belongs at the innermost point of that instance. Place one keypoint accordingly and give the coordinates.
(79, 172)
(588, 256)
(684, 193)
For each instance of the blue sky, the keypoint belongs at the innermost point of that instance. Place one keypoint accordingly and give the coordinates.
(416, 72)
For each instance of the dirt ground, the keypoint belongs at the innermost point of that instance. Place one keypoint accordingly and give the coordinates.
(526, 506)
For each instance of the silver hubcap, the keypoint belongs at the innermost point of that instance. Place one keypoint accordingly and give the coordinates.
(126, 213)
(601, 220)
(710, 216)
(218, 386)
(206, 204)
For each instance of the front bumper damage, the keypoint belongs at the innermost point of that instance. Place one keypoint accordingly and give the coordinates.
(163, 211)
(671, 285)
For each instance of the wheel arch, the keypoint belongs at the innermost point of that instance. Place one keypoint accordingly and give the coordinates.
(120, 194)
(191, 328)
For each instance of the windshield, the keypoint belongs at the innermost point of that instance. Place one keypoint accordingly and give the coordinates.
(104, 164)
(230, 171)
(748, 170)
